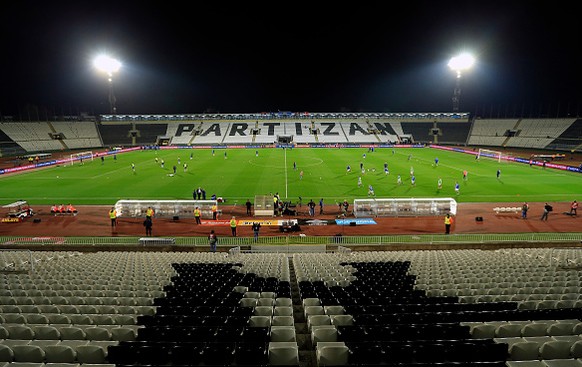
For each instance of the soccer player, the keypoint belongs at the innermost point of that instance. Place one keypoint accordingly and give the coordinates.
(465, 175)
(360, 181)
(440, 183)
(411, 171)
(399, 180)
(498, 173)
(301, 175)
(413, 180)
(133, 167)
(436, 162)
(457, 188)
(348, 169)
(386, 168)
(371, 191)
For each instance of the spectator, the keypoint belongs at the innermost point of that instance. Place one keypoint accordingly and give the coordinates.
(448, 222)
(113, 217)
(147, 223)
(256, 228)
(212, 241)
(249, 206)
(574, 208)
(547, 209)
(233, 226)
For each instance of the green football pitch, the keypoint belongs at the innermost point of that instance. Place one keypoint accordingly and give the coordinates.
(244, 173)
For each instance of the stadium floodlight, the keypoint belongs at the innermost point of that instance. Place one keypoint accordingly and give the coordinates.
(459, 64)
(108, 65)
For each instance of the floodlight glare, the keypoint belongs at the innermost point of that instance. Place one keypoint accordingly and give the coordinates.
(108, 65)
(462, 62)
(459, 64)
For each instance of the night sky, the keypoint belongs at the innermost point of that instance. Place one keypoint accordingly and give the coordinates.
(187, 57)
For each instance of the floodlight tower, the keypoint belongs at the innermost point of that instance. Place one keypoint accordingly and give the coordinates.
(459, 64)
(109, 66)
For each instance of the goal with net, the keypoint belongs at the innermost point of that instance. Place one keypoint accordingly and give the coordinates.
(81, 157)
(493, 154)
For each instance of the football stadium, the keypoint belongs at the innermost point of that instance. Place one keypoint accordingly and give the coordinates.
(342, 239)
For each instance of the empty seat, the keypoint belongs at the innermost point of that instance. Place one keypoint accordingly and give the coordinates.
(523, 351)
(283, 334)
(283, 301)
(97, 333)
(323, 335)
(555, 349)
(317, 320)
(6, 353)
(283, 311)
(508, 330)
(123, 333)
(46, 332)
(60, 354)
(283, 354)
(483, 331)
(534, 329)
(28, 353)
(560, 328)
(341, 320)
(72, 333)
(332, 354)
(91, 354)
(282, 321)
(260, 321)
(20, 332)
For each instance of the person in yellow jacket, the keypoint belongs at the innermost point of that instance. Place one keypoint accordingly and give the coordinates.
(113, 217)
(197, 214)
(448, 222)
(150, 213)
(214, 211)
(233, 226)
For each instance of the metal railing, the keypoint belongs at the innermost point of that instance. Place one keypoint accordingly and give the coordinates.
(352, 241)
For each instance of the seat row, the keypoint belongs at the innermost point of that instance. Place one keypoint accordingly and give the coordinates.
(81, 332)
(246, 353)
(75, 309)
(59, 318)
(526, 328)
(277, 333)
(58, 353)
(76, 300)
(548, 350)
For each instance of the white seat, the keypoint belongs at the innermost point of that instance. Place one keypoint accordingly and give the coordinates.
(332, 354)
(28, 353)
(283, 354)
(283, 334)
(341, 320)
(278, 320)
(483, 331)
(323, 335)
(283, 311)
(508, 330)
(260, 321)
(555, 349)
(263, 311)
(523, 351)
(334, 310)
(315, 320)
(91, 354)
(21, 332)
(72, 333)
(123, 333)
(266, 302)
(46, 332)
(560, 328)
(6, 353)
(313, 310)
(283, 301)
(311, 302)
(60, 354)
(97, 333)
(534, 329)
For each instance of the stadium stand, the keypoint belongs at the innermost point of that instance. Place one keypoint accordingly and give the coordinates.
(361, 308)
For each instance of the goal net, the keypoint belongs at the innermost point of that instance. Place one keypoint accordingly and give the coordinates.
(81, 157)
(493, 154)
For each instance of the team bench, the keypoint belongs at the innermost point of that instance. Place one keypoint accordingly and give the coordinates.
(156, 241)
(507, 210)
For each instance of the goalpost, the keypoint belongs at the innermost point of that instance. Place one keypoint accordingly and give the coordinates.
(81, 157)
(493, 154)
